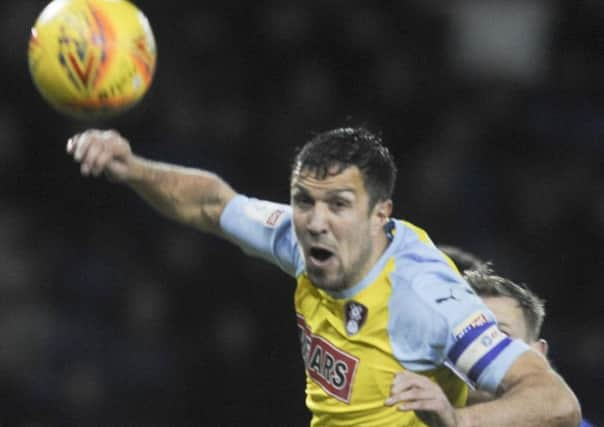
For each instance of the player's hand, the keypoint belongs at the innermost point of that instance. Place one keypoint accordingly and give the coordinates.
(414, 392)
(101, 152)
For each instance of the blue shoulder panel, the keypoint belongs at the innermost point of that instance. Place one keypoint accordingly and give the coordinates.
(262, 229)
(436, 318)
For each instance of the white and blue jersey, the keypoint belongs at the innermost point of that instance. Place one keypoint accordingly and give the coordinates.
(412, 311)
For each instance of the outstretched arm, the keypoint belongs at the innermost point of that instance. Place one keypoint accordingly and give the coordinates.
(531, 394)
(191, 196)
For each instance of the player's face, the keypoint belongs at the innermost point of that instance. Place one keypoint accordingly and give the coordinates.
(339, 237)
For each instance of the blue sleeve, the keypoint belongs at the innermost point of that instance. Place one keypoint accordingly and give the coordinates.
(262, 229)
(437, 319)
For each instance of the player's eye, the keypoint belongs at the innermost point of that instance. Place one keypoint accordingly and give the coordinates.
(338, 204)
(302, 201)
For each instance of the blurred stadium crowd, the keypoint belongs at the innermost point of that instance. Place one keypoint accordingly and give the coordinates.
(112, 315)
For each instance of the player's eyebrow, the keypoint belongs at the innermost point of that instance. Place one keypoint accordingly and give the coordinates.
(334, 191)
(339, 191)
(347, 193)
(299, 189)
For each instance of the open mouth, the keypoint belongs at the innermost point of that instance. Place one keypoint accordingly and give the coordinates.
(320, 255)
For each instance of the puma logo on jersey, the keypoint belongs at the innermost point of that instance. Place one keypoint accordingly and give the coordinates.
(443, 299)
(455, 294)
(328, 366)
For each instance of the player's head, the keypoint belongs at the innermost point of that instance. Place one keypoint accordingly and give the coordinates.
(341, 187)
(519, 312)
(463, 259)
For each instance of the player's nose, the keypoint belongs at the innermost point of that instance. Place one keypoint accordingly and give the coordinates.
(318, 219)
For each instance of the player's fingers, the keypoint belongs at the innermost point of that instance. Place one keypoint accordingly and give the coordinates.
(413, 386)
(74, 141)
(93, 151)
(395, 396)
(411, 394)
(417, 394)
(405, 380)
(110, 134)
(70, 145)
(86, 139)
(398, 388)
(417, 405)
(82, 142)
(100, 163)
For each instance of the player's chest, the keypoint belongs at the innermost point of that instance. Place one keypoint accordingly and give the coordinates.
(344, 342)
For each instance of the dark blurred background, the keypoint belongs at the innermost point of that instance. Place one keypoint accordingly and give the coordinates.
(112, 315)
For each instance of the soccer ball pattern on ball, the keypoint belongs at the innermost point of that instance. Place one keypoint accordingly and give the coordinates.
(92, 58)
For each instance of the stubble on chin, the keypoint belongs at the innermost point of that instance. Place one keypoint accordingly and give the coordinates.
(320, 281)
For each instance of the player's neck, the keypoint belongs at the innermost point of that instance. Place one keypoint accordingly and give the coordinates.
(381, 243)
(379, 246)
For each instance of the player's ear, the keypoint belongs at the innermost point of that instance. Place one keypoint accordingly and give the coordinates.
(541, 346)
(382, 211)
(380, 215)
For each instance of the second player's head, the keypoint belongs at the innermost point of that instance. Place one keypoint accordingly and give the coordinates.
(463, 259)
(519, 312)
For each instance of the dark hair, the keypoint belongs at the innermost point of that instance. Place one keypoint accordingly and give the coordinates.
(488, 284)
(463, 259)
(330, 152)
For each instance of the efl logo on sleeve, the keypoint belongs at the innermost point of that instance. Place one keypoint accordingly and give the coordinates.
(273, 218)
(266, 213)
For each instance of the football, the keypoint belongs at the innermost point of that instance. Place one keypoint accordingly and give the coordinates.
(92, 58)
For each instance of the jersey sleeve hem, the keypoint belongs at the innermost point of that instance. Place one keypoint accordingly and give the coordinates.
(492, 376)
(231, 212)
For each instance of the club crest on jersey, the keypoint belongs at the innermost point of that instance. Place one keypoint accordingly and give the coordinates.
(329, 367)
(355, 315)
